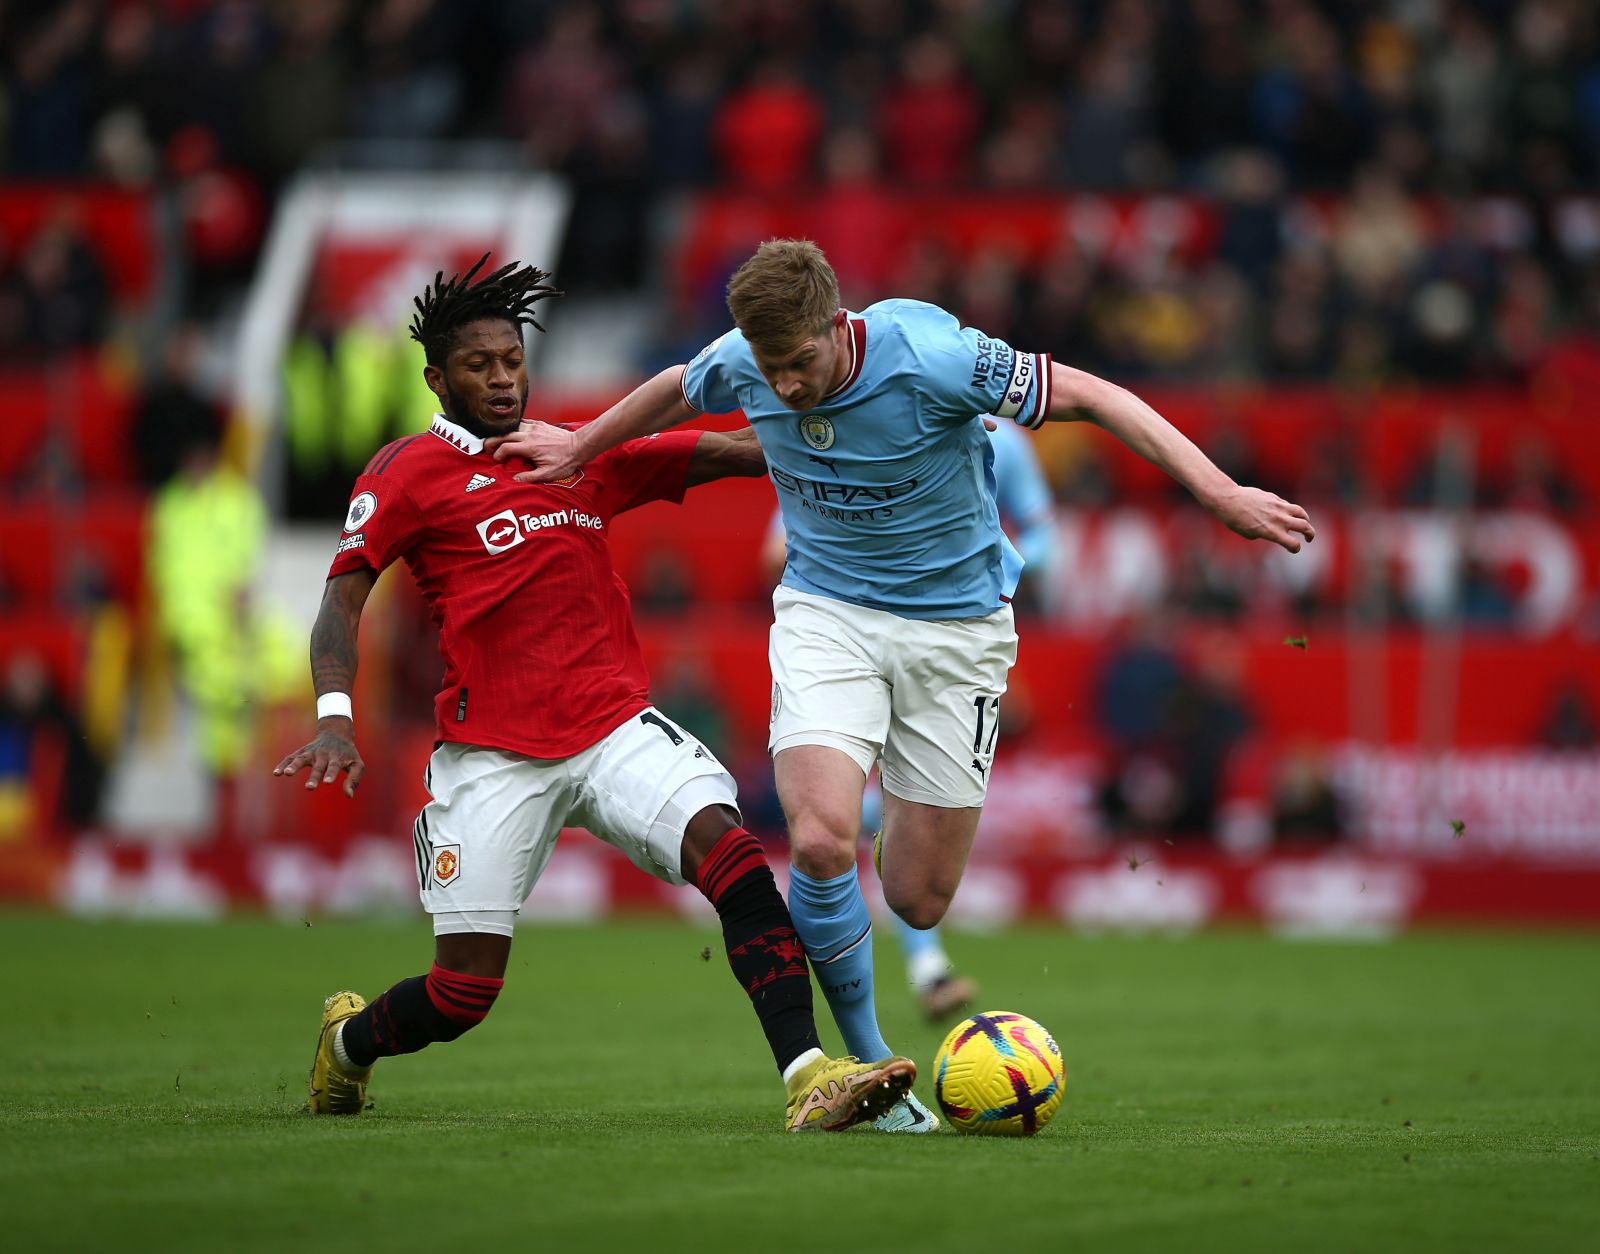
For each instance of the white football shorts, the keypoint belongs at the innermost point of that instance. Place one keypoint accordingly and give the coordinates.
(485, 838)
(921, 697)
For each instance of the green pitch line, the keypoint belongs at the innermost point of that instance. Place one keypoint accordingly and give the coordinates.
(1229, 1092)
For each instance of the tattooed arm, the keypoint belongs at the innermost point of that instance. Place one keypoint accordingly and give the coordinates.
(333, 669)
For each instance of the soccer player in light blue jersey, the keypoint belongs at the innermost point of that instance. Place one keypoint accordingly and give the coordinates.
(1027, 508)
(892, 636)
(1028, 514)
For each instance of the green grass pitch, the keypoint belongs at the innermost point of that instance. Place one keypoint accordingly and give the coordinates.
(1226, 1092)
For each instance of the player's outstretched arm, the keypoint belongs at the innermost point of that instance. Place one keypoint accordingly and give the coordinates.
(555, 452)
(333, 669)
(726, 455)
(1252, 512)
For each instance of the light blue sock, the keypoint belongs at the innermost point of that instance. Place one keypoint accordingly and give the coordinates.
(831, 919)
(924, 953)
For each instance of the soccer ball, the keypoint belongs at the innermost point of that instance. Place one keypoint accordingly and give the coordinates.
(999, 1074)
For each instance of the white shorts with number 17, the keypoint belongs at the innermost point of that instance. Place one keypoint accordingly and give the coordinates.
(920, 696)
(486, 836)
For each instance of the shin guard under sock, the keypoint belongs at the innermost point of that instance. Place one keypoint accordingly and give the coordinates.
(831, 917)
(415, 1013)
(763, 950)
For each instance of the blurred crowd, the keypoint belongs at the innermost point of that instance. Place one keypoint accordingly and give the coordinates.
(1390, 190)
(53, 293)
(1453, 135)
(1448, 95)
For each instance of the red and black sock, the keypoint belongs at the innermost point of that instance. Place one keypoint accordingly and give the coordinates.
(439, 1006)
(766, 956)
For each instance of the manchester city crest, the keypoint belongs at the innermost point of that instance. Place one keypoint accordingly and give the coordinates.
(816, 431)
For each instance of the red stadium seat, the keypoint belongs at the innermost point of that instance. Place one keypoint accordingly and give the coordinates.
(80, 411)
(119, 224)
(100, 420)
(59, 641)
(26, 426)
(59, 553)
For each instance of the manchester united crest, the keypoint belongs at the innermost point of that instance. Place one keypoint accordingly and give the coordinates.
(817, 431)
(446, 863)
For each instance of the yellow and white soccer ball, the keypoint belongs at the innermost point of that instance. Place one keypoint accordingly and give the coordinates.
(999, 1074)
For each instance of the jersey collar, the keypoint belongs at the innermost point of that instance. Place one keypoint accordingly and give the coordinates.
(858, 356)
(457, 435)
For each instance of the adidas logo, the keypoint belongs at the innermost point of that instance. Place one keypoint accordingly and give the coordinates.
(479, 481)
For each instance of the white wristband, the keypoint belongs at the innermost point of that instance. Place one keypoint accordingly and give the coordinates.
(335, 705)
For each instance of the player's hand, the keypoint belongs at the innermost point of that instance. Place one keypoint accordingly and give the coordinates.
(1259, 515)
(329, 754)
(552, 451)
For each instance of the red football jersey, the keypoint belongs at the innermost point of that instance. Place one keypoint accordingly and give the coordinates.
(539, 651)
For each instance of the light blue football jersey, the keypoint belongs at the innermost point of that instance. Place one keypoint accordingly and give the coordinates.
(887, 486)
(1027, 508)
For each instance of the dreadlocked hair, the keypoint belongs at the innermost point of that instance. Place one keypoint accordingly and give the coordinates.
(443, 309)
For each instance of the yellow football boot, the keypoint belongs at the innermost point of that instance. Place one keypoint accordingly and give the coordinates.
(833, 1094)
(335, 1090)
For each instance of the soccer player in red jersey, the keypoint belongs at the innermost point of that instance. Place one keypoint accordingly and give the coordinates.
(544, 719)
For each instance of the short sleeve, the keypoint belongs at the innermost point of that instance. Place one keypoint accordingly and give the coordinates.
(655, 468)
(380, 525)
(970, 373)
(707, 380)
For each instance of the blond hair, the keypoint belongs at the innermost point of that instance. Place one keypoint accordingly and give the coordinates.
(785, 293)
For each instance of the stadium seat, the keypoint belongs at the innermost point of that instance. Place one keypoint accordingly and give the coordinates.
(59, 553)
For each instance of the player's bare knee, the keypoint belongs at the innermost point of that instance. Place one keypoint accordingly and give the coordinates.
(700, 837)
(819, 851)
(922, 909)
(480, 954)
(929, 912)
